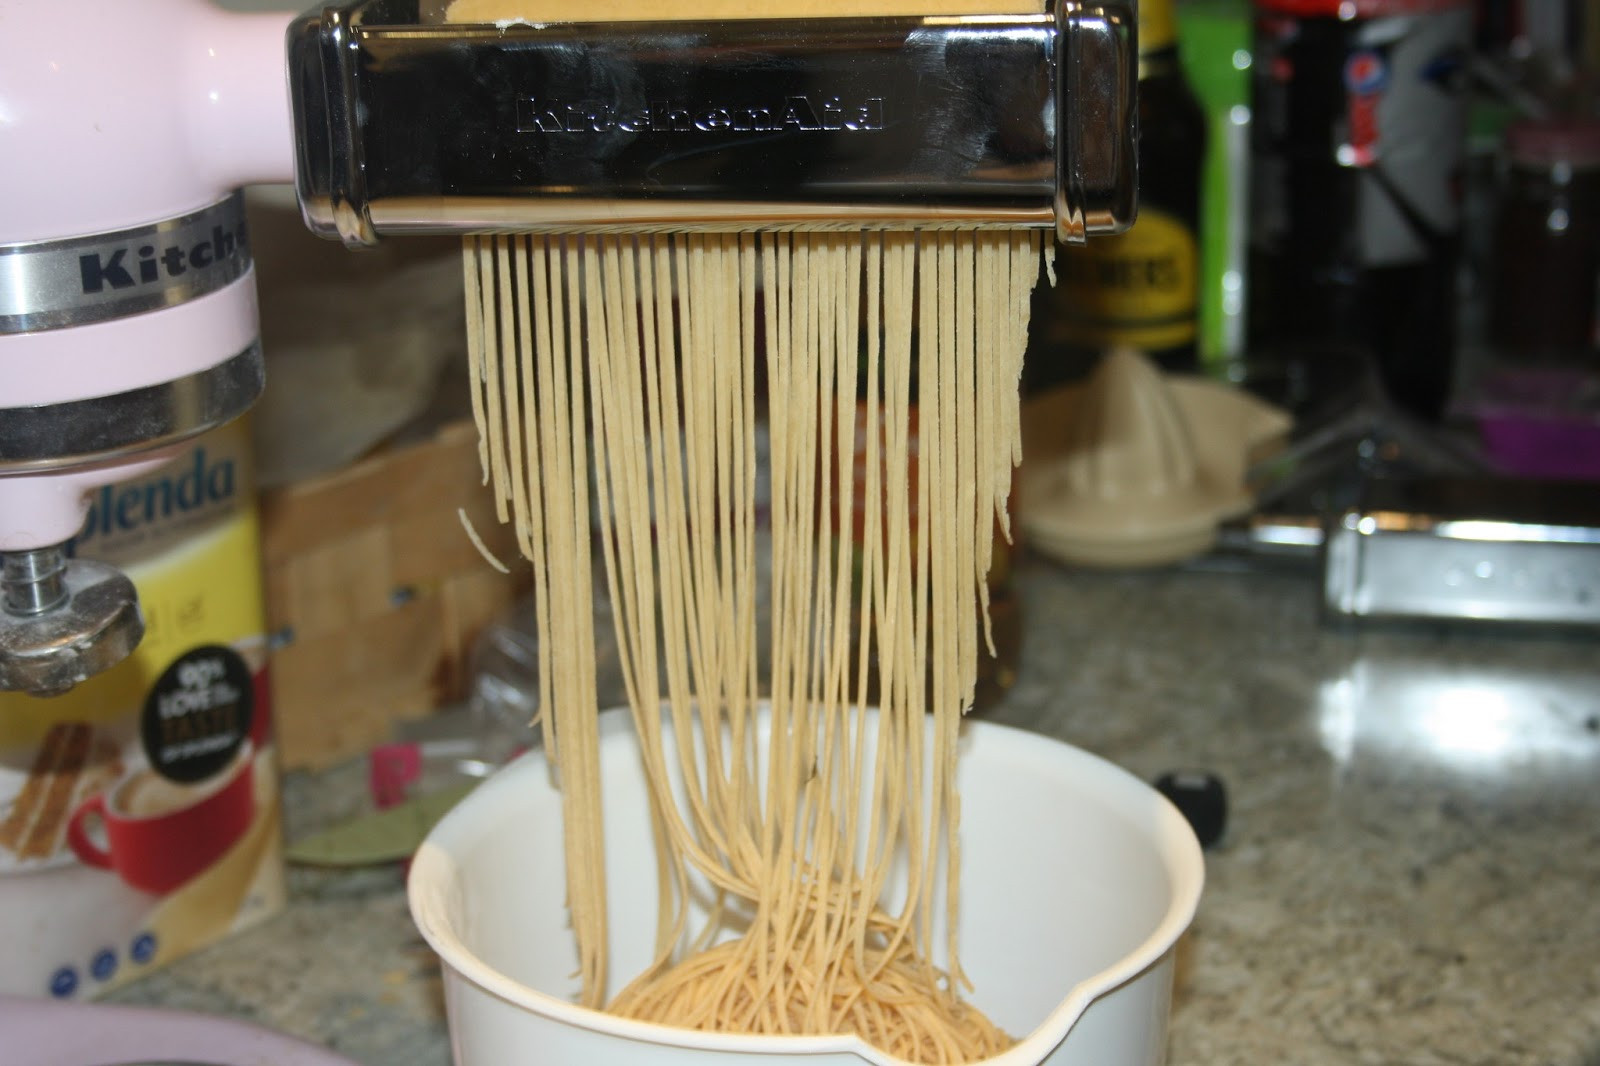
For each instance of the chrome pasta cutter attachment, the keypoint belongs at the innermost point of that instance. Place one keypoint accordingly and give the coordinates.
(408, 125)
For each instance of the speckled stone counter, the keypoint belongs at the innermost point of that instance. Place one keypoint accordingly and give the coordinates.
(1410, 873)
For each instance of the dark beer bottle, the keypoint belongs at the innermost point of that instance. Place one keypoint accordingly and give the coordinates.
(1358, 142)
(1140, 288)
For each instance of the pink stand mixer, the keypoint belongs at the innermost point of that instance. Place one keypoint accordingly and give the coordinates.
(127, 309)
(128, 319)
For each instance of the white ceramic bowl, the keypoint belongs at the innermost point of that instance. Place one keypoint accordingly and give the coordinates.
(1076, 881)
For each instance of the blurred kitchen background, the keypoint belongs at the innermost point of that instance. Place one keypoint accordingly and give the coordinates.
(1358, 309)
(1309, 507)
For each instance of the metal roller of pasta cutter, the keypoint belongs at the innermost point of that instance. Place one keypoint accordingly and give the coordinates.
(406, 124)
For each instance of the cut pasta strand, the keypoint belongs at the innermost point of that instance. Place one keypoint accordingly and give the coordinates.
(828, 836)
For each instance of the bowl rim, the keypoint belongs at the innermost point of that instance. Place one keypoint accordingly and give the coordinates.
(433, 868)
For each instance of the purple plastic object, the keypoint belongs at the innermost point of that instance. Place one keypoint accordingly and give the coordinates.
(56, 1033)
(1541, 422)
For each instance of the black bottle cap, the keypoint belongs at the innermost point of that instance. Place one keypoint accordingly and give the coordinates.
(1201, 798)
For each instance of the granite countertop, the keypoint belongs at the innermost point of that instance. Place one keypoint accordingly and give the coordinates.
(1410, 873)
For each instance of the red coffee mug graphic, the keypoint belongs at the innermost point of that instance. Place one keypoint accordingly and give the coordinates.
(158, 834)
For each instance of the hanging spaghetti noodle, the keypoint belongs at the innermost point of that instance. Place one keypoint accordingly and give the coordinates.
(635, 356)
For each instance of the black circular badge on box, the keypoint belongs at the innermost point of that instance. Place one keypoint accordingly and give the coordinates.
(197, 715)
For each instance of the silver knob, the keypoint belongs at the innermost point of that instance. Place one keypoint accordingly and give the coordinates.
(62, 620)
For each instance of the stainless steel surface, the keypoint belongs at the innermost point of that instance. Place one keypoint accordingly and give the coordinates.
(1289, 536)
(1467, 548)
(407, 127)
(93, 627)
(33, 581)
(75, 432)
(81, 280)
(1097, 159)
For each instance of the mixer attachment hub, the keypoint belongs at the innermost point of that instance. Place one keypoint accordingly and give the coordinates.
(62, 620)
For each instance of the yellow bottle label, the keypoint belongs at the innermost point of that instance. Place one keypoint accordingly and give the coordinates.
(1139, 288)
(1158, 25)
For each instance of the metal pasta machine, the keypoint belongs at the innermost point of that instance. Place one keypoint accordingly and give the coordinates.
(128, 319)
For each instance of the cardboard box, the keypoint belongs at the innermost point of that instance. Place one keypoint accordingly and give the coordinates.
(375, 593)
